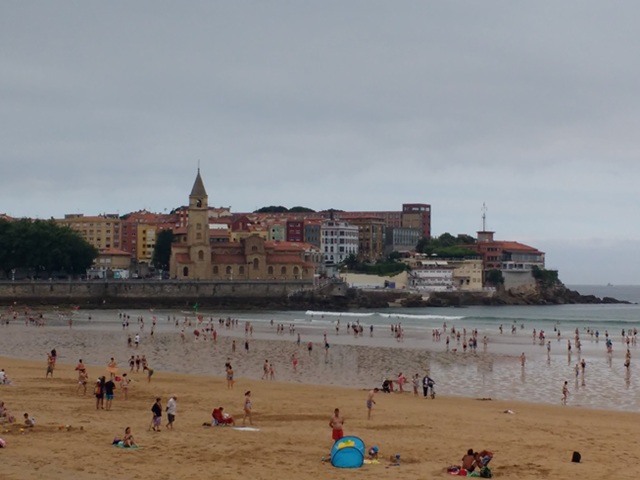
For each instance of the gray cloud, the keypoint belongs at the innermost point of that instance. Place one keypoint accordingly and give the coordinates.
(530, 107)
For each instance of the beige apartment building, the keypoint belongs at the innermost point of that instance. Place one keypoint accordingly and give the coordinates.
(101, 231)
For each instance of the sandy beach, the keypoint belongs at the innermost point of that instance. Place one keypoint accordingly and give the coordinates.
(536, 441)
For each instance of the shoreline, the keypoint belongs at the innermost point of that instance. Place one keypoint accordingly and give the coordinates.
(350, 361)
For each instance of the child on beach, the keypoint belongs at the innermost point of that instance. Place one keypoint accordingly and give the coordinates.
(29, 421)
(565, 392)
(370, 401)
(247, 408)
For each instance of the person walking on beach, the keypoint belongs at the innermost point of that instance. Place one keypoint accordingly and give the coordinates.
(109, 387)
(229, 377)
(336, 423)
(136, 340)
(370, 401)
(523, 359)
(51, 361)
(99, 393)
(156, 418)
(265, 370)
(416, 384)
(171, 411)
(124, 384)
(247, 408)
(294, 361)
(565, 392)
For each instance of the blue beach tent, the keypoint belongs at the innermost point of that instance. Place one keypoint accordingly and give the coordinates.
(348, 452)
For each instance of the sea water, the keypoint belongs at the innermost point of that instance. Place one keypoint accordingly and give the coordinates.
(494, 372)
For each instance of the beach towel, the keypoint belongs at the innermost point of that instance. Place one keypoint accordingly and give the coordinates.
(121, 445)
(247, 429)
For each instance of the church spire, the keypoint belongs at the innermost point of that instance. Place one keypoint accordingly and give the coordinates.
(198, 189)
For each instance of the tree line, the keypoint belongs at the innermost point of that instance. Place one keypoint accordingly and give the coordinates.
(43, 248)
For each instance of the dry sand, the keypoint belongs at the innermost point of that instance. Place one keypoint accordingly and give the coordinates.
(535, 442)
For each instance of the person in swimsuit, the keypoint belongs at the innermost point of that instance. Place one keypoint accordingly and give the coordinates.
(229, 377)
(336, 423)
(247, 408)
(371, 402)
(128, 440)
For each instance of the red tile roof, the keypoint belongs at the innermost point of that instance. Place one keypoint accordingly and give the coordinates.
(234, 259)
(506, 245)
(291, 259)
(183, 258)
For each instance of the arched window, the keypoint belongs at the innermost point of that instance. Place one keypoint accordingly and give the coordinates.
(296, 270)
(283, 271)
(241, 270)
(254, 248)
(270, 271)
(185, 272)
(215, 270)
(256, 264)
(198, 226)
(201, 255)
(228, 270)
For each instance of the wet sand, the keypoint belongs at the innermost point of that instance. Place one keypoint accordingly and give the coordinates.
(360, 362)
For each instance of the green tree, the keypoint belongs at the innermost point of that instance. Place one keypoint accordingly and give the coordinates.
(162, 250)
(494, 277)
(301, 210)
(43, 247)
(272, 209)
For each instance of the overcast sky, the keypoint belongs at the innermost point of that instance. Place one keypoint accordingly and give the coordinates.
(530, 107)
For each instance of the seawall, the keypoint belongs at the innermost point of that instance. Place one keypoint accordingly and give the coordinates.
(143, 293)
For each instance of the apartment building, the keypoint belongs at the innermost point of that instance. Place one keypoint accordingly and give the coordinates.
(101, 231)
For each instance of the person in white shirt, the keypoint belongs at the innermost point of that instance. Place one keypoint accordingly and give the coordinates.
(171, 411)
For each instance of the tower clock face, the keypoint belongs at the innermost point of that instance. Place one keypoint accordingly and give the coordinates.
(198, 203)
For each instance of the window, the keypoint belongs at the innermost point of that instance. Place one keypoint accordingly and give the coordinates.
(241, 270)
(270, 271)
(201, 255)
(256, 264)
(283, 271)
(296, 271)
(215, 270)
(254, 248)
(228, 270)
(185, 272)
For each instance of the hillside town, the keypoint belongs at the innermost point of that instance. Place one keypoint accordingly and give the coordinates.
(214, 243)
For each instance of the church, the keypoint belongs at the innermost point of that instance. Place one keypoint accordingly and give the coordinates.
(195, 257)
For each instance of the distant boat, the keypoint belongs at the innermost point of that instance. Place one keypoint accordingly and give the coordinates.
(609, 284)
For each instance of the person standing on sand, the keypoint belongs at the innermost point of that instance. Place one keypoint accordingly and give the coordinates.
(294, 361)
(523, 359)
(50, 364)
(156, 419)
(265, 370)
(149, 373)
(336, 423)
(172, 408)
(124, 384)
(247, 408)
(310, 347)
(370, 401)
(416, 384)
(233, 346)
(565, 392)
(229, 377)
(109, 387)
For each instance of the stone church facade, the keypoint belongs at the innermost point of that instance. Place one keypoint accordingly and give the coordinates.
(194, 257)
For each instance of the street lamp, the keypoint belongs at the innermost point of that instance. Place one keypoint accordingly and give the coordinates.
(13, 274)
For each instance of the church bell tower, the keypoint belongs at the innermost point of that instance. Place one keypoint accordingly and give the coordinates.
(198, 231)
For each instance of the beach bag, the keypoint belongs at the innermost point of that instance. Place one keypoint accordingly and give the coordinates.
(485, 472)
(576, 457)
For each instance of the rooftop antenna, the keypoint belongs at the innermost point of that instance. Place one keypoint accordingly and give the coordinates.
(198, 165)
(484, 217)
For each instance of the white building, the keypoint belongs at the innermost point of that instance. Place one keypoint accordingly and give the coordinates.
(432, 276)
(338, 240)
